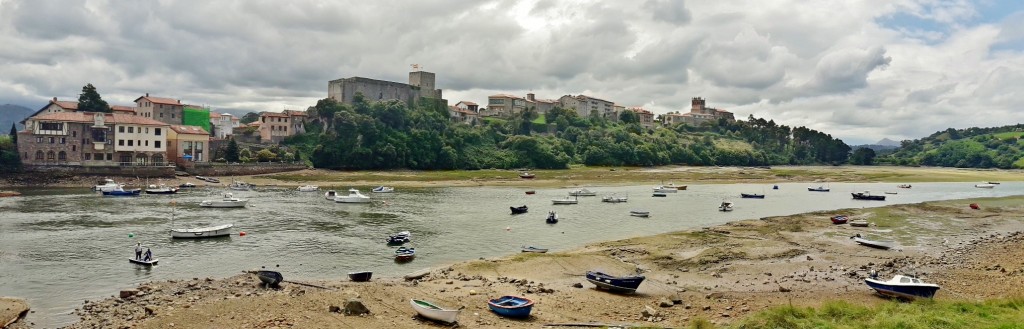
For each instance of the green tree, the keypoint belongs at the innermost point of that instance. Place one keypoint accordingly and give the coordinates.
(231, 153)
(249, 117)
(90, 101)
(265, 155)
(14, 134)
(863, 156)
(297, 156)
(245, 155)
(628, 116)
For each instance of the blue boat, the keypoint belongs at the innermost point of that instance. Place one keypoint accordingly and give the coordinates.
(403, 254)
(902, 286)
(615, 283)
(118, 191)
(511, 306)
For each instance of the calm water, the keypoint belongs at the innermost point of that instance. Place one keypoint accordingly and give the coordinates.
(59, 247)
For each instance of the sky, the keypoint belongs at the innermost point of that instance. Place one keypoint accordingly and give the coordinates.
(858, 70)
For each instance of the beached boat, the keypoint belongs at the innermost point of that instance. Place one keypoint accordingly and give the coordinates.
(162, 189)
(902, 286)
(228, 201)
(867, 196)
(534, 249)
(187, 185)
(859, 223)
(552, 218)
(118, 191)
(511, 306)
(614, 199)
(308, 188)
(751, 196)
(106, 185)
(818, 189)
(518, 210)
(872, 243)
(202, 232)
(725, 206)
(665, 189)
(353, 197)
(270, 278)
(582, 192)
(839, 219)
(240, 186)
(526, 175)
(150, 262)
(362, 276)
(383, 189)
(567, 200)
(639, 213)
(433, 312)
(211, 180)
(405, 254)
(615, 283)
(985, 185)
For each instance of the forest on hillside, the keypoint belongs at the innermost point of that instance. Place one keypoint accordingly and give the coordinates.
(997, 147)
(388, 135)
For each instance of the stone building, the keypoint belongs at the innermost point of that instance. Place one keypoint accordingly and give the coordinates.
(166, 110)
(585, 105)
(59, 106)
(421, 85)
(187, 144)
(699, 113)
(92, 139)
(646, 117)
(542, 106)
(504, 105)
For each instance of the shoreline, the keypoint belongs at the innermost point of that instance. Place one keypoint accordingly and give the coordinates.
(721, 273)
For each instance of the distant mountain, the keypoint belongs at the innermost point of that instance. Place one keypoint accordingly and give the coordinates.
(879, 149)
(887, 142)
(10, 113)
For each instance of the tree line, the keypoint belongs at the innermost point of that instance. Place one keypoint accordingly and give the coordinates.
(996, 147)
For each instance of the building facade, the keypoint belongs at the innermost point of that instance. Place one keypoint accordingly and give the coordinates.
(92, 139)
(646, 117)
(504, 105)
(585, 106)
(699, 113)
(274, 126)
(166, 110)
(542, 106)
(421, 85)
(187, 144)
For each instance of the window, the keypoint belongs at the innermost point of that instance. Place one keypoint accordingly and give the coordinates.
(88, 156)
(120, 129)
(156, 144)
(51, 140)
(147, 130)
(98, 157)
(172, 115)
(24, 155)
(131, 130)
(120, 142)
(62, 156)
(199, 146)
(161, 113)
(147, 142)
(156, 131)
(131, 142)
(63, 140)
(50, 156)
(39, 155)
(74, 148)
(110, 156)
(74, 133)
(51, 126)
(39, 139)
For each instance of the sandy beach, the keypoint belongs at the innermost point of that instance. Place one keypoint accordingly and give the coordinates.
(720, 274)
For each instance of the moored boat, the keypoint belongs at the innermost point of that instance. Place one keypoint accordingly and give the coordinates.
(614, 199)
(639, 213)
(818, 189)
(405, 254)
(330, 195)
(518, 210)
(353, 197)
(902, 286)
(552, 218)
(511, 306)
(775, 187)
(270, 278)
(582, 192)
(615, 283)
(118, 191)
(534, 249)
(565, 201)
(531, 192)
(361, 276)
(402, 237)
(665, 189)
(867, 196)
(308, 188)
(725, 206)
(659, 194)
(202, 232)
(240, 186)
(903, 186)
(433, 312)
(187, 185)
(751, 196)
(985, 185)
(150, 262)
(106, 185)
(162, 189)
(383, 189)
(677, 187)
(228, 201)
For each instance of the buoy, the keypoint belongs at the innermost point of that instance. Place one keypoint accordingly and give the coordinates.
(241, 233)
(508, 228)
(131, 235)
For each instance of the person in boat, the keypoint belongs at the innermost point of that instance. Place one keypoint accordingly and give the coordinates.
(138, 250)
(149, 255)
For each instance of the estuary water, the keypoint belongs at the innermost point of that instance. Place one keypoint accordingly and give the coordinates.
(59, 247)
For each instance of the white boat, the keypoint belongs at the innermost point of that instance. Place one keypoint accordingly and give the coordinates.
(582, 192)
(567, 200)
(614, 199)
(430, 311)
(150, 262)
(201, 232)
(383, 189)
(308, 188)
(229, 201)
(353, 197)
(725, 206)
(330, 195)
(985, 185)
(677, 187)
(902, 286)
(873, 243)
(241, 186)
(106, 185)
(665, 189)
(162, 189)
(640, 213)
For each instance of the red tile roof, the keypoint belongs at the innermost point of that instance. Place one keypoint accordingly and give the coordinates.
(468, 103)
(504, 96)
(273, 114)
(86, 117)
(192, 130)
(295, 113)
(122, 108)
(214, 115)
(159, 100)
(67, 105)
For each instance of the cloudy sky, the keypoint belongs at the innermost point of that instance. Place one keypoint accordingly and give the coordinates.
(859, 70)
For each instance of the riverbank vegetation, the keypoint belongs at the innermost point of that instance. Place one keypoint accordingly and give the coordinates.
(9, 159)
(997, 313)
(997, 147)
(390, 135)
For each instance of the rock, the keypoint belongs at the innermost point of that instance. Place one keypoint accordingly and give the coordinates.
(150, 310)
(665, 303)
(649, 312)
(784, 289)
(11, 310)
(809, 257)
(577, 285)
(714, 295)
(472, 292)
(334, 309)
(128, 293)
(355, 307)
(706, 307)
(677, 300)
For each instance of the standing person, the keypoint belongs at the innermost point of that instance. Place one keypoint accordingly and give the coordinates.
(138, 250)
(149, 255)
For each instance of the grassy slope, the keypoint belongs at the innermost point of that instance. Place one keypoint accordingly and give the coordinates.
(922, 314)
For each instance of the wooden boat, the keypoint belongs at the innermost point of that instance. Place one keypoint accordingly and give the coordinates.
(615, 283)
(308, 188)
(229, 201)
(552, 218)
(565, 201)
(582, 192)
(639, 213)
(974, 206)
(903, 186)
(534, 249)
(839, 219)
(162, 189)
(677, 187)
(751, 196)
(659, 194)
(405, 254)
(518, 210)
(985, 185)
(383, 189)
(6, 194)
(353, 197)
(859, 223)
(202, 232)
(818, 189)
(531, 192)
(725, 206)
(526, 175)
(873, 244)
(118, 191)
(270, 278)
(433, 312)
(901, 286)
(150, 262)
(511, 306)
(362, 276)
(867, 196)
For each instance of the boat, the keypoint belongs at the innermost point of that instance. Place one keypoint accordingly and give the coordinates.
(659, 194)
(615, 283)
(534, 249)
(974, 206)
(725, 206)
(751, 196)
(839, 219)
(400, 238)
(518, 210)
(887, 192)
(211, 180)
(871, 243)
(985, 185)
(639, 213)
(118, 191)
(665, 189)
(526, 175)
(405, 254)
(360, 276)
(187, 185)
(308, 188)
(531, 192)
(240, 186)
(106, 185)
(614, 199)
(7, 194)
(552, 218)
(270, 278)
(433, 312)
(993, 183)
(902, 286)
(200, 178)
(202, 232)
(818, 189)
(859, 223)
(903, 186)
(383, 189)
(162, 189)
(353, 197)
(677, 187)
(867, 196)
(567, 200)
(150, 262)
(775, 187)
(582, 192)
(330, 195)
(511, 306)
(229, 201)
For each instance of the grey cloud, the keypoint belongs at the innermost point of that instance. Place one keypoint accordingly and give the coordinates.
(749, 60)
(928, 95)
(668, 11)
(847, 69)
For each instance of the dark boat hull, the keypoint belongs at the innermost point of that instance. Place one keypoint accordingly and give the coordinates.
(862, 196)
(162, 192)
(752, 196)
(899, 291)
(511, 306)
(839, 219)
(270, 278)
(360, 276)
(518, 210)
(614, 283)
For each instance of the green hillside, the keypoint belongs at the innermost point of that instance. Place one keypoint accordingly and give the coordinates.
(998, 147)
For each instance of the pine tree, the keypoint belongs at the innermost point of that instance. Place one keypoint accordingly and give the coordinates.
(90, 101)
(231, 153)
(14, 134)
